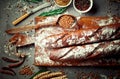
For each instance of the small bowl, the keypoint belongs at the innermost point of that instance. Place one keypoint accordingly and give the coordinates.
(63, 5)
(72, 25)
(83, 11)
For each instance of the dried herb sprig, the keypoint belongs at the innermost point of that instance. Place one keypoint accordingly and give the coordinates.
(53, 12)
(33, 1)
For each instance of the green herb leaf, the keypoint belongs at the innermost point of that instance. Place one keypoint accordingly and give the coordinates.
(53, 12)
(33, 1)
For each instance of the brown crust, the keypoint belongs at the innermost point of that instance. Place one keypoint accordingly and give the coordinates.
(91, 62)
(95, 62)
(20, 29)
(82, 36)
(39, 19)
(92, 22)
(21, 40)
(85, 52)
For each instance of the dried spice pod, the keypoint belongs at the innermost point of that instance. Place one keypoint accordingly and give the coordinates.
(10, 60)
(9, 69)
(17, 64)
(7, 72)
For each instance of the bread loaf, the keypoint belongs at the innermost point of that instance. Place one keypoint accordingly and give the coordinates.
(96, 46)
(82, 36)
(84, 52)
(92, 22)
(21, 40)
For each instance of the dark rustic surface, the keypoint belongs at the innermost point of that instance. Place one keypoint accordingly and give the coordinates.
(9, 12)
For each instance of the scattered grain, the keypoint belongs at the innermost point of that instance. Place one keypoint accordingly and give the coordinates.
(26, 70)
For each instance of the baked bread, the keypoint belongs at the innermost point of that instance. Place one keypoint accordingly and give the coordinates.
(82, 36)
(86, 52)
(91, 45)
(100, 52)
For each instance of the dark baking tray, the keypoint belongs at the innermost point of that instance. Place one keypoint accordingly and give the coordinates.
(100, 8)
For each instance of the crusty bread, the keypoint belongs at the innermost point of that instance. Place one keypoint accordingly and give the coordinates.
(82, 36)
(21, 40)
(97, 21)
(99, 56)
(85, 52)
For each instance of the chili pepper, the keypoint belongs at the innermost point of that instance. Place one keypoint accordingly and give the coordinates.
(6, 72)
(17, 64)
(9, 60)
(53, 12)
(9, 69)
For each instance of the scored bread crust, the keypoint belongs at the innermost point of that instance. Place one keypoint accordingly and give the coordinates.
(82, 36)
(96, 57)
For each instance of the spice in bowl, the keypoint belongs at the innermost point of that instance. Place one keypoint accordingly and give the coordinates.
(85, 4)
(82, 6)
(66, 21)
(63, 3)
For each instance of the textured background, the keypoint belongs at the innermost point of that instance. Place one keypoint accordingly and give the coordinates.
(9, 12)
